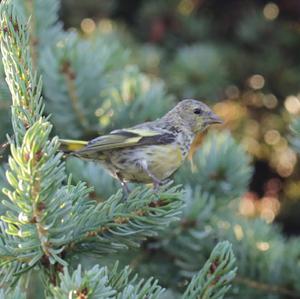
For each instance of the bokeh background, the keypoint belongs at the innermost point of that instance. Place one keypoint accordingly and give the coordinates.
(241, 57)
(111, 64)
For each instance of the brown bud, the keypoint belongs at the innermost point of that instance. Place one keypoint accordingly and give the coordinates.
(38, 155)
(41, 206)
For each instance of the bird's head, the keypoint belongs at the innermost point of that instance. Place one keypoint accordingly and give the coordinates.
(194, 114)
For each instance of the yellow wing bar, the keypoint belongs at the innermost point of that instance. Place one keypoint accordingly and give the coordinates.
(69, 145)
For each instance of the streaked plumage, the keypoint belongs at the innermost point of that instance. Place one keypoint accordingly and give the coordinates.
(149, 152)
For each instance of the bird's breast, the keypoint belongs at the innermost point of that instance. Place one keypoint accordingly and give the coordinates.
(165, 160)
(184, 141)
(162, 161)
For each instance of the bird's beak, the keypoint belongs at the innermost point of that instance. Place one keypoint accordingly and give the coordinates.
(213, 119)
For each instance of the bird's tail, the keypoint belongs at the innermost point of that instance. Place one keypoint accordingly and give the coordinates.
(68, 146)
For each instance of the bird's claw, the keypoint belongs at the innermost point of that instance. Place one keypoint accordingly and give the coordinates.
(159, 183)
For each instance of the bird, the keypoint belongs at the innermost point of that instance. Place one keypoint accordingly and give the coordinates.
(149, 152)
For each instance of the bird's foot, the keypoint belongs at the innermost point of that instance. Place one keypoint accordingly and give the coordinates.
(126, 191)
(125, 187)
(159, 183)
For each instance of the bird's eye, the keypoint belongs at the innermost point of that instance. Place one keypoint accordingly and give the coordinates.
(198, 111)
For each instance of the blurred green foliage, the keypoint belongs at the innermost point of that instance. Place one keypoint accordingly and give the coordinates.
(131, 61)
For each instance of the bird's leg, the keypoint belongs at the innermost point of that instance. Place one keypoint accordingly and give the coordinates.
(156, 182)
(124, 185)
(166, 181)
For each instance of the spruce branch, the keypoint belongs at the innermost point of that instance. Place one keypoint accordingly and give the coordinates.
(5, 100)
(214, 279)
(12, 293)
(75, 73)
(47, 222)
(106, 227)
(45, 27)
(45, 218)
(93, 175)
(261, 252)
(133, 97)
(66, 61)
(31, 150)
(187, 239)
(100, 283)
(70, 76)
(35, 173)
(198, 69)
(23, 83)
(36, 208)
(3, 182)
(90, 284)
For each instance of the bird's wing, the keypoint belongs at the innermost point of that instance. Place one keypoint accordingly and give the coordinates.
(128, 138)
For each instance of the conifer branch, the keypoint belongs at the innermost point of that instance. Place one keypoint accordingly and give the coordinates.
(45, 218)
(104, 228)
(12, 293)
(70, 76)
(23, 83)
(45, 27)
(100, 283)
(214, 279)
(31, 151)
